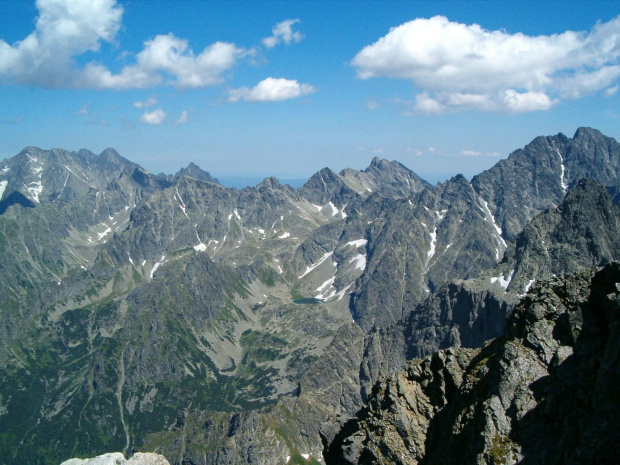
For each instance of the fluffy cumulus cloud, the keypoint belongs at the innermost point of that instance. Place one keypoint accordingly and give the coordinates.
(462, 67)
(166, 59)
(271, 90)
(155, 117)
(283, 32)
(66, 29)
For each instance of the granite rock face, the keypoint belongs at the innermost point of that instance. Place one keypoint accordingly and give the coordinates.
(545, 392)
(537, 177)
(581, 232)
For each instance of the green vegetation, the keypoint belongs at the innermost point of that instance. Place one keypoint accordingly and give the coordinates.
(501, 449)
(295, 293)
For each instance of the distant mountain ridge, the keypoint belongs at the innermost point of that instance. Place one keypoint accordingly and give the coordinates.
(247, 325)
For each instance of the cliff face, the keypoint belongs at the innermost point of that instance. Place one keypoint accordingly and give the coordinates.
(545, 392)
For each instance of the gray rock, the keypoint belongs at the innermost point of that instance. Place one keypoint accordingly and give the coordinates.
(540, 394)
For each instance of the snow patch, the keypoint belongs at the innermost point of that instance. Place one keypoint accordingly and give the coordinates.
(3, 185)
(6, 170)
(562, 180)
(334, 209)
(237, 214)
(433, 245)
(155, 266)
(312, 267)
(318, 207)
(182, 204)
(200, 247)
(504, 282)
(35, 190)
(343, 292)
(529, 284)
(490, 219)
(441, 214)
(325, 285)
(284, 235)
(357, 243)
(360, 262)
(107, 231)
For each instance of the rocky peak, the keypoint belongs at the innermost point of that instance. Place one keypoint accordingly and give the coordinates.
(270, 183)
(194, 171)
(537, 177)
(326, 186)
(395, 174)
(110, 155)
(587, 134)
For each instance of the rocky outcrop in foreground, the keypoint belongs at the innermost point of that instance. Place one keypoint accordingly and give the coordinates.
(545, 392)
(116, 458)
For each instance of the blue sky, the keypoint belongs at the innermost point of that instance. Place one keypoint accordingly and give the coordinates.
(262, 88)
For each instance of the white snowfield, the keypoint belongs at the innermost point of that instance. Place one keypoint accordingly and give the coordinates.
(116, 458)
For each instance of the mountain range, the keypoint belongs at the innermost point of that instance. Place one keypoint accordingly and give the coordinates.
(171, 314)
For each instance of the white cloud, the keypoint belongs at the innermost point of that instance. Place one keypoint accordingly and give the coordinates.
(167, 56)
(474, 153)
(271, 90)
(611, 91)
(283, 32)
(183, 118)
(462, 67)
(149, 102)
(66, 29)
(154, 117)
(372, 104)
